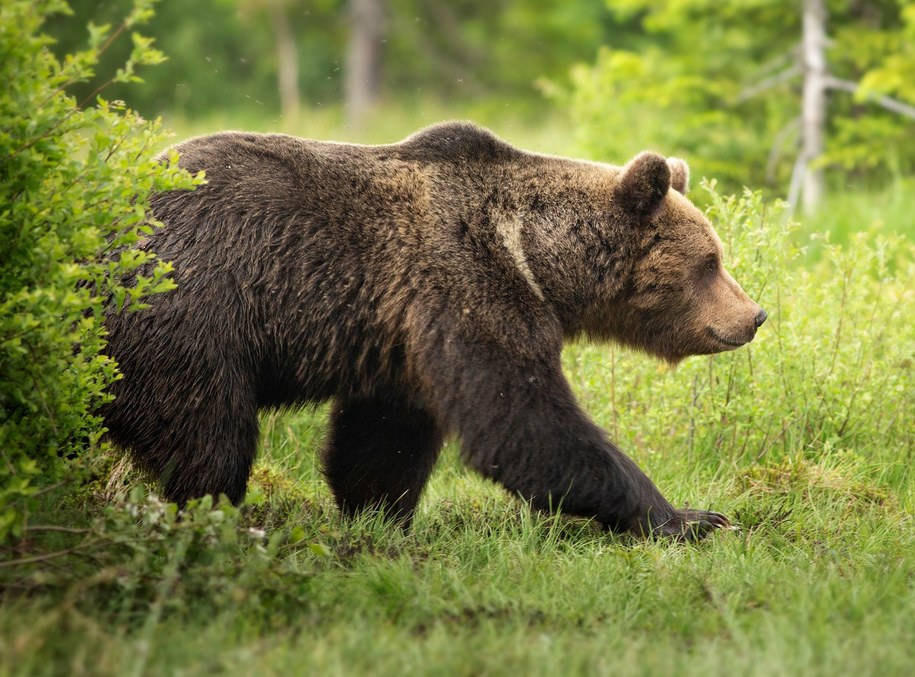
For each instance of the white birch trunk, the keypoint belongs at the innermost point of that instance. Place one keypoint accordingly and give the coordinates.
(813, 115)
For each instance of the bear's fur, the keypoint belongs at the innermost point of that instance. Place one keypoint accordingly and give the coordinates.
(426, 287)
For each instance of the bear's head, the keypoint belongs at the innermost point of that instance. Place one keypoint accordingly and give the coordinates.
(677, 299)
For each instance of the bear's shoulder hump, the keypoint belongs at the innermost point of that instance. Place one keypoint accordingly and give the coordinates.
(457, 142)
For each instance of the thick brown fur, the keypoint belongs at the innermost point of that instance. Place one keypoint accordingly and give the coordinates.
(427, 288)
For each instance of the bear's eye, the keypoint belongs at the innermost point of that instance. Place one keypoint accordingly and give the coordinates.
(711, 264)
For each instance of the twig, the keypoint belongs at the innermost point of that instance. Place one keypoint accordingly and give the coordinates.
(79, 107)
(884, 101)
(778, 143)
(767, 444)
(53, 527)
(170, 576)
(42, 491)
(768, 83)
(50, 555)
(797, 178)
(101, 50)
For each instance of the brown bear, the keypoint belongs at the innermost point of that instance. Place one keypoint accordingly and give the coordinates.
(426, 287)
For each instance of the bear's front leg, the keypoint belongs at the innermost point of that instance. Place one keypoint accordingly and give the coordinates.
(520, 425)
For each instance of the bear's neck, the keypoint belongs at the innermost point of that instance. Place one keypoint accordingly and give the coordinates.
(552, 216)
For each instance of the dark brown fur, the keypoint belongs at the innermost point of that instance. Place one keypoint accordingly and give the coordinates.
(426, 287)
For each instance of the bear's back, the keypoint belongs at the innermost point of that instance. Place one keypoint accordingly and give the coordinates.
(444, 143)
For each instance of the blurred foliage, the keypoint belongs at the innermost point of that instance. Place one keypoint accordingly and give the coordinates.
(222, 55)
(714, 82)
(74, 181)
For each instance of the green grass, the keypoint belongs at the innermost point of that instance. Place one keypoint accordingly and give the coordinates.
(819, 579)
(805, 438)
(853, 209)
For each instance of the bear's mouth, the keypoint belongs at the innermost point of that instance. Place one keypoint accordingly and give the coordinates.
(724, 339)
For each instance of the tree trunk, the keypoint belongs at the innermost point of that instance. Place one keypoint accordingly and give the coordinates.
(287, 59)
(813, 115)
(363, 59)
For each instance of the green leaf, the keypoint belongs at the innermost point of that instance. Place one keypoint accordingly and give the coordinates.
(319, 549)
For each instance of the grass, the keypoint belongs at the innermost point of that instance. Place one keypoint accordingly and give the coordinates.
(806, 439)
(819, 579)
(853, 209)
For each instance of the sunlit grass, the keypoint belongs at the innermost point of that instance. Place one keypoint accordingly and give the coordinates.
(481, 585)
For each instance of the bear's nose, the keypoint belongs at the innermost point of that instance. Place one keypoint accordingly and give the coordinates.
(761, 317)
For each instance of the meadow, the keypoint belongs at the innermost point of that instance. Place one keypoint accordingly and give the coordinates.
(805, 438)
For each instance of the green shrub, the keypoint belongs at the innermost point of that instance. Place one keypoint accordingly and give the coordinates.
(74, 184)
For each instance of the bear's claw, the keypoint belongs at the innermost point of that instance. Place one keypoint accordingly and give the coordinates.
(691, 525)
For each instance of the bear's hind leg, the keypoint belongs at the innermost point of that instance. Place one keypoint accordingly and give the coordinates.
(217, 461)
(379, 454)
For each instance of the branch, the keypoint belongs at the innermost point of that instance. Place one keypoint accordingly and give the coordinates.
(54, 527)
(783, 60)
(883, 101)
(775, 152)
(102, 50)
(50, 555)
(797, 178)
(769, 83)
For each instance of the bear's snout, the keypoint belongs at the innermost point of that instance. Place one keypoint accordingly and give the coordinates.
(739, 331)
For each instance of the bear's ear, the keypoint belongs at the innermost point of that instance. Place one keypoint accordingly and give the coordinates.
(679, 174)
(643, 183)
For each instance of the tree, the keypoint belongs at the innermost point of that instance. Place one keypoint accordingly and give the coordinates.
(813, 107)
(287, 57)
(363, 57)
(287, 54)
(223, 55)
(817, 83)
(228, 55)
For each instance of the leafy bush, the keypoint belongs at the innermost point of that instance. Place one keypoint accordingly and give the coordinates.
(74, 184)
